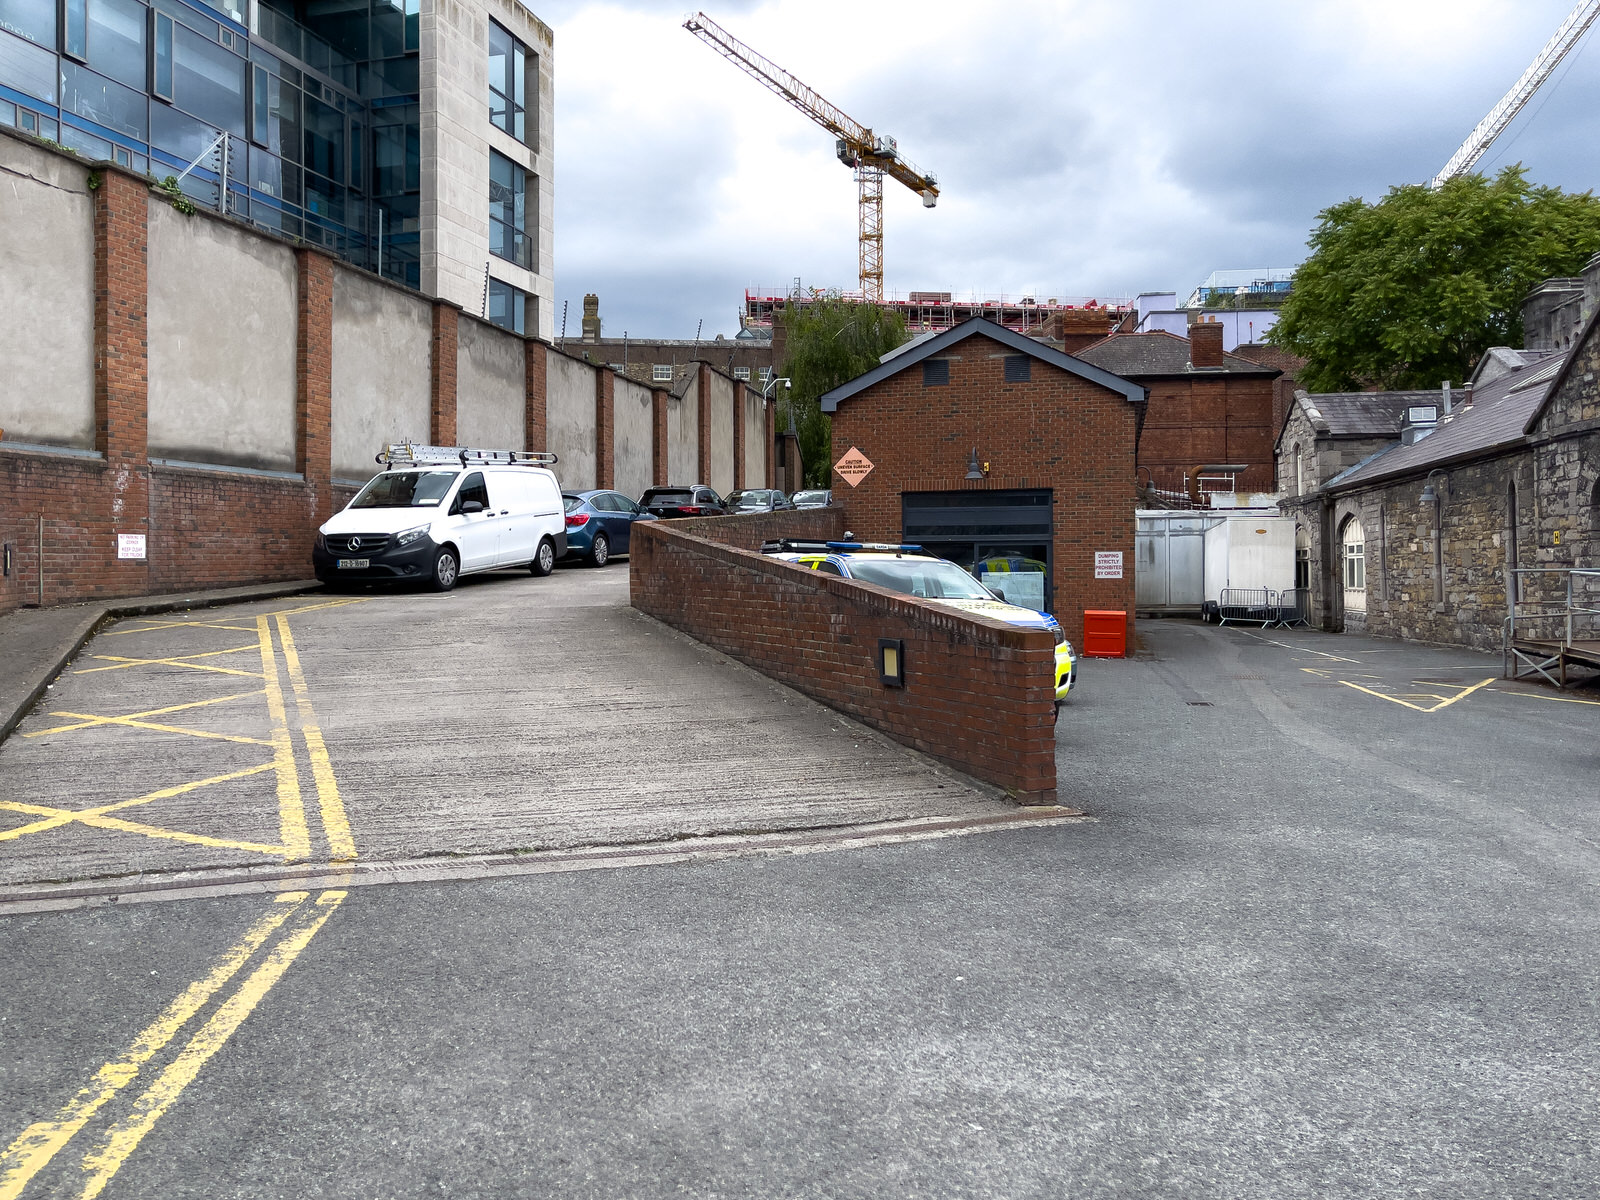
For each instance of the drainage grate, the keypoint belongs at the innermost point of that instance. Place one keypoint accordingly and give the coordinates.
(1198, 703)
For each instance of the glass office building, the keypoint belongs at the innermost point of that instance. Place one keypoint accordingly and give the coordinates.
(320, 100)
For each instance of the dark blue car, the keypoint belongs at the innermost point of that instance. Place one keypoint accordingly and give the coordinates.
(598, 524)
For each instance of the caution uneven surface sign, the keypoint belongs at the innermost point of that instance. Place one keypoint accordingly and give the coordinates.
(853, 466)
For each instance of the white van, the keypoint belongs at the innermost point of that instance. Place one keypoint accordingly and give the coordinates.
(439, 512)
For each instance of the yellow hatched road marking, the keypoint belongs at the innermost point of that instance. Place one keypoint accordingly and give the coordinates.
(335, 826)
(38, 1144)
(158, 626)
(291, 806)
(1462, 695)
(99, 816)
(178, 660)
(90, 720)
(305, 608)
(101, 1163)
(131, 723)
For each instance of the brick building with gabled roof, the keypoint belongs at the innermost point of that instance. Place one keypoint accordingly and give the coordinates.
(1001, 454)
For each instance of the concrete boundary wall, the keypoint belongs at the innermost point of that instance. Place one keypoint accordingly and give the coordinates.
(978, 693)
(155, 409)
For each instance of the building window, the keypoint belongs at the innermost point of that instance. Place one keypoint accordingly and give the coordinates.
(1019, 368)
(508, 212)
(742, 373)
(766, 374)
(508, 307)
(511, 68)
(661, 373)
(936, 372)
(1354, 543)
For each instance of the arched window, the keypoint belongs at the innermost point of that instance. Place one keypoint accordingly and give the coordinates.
(1353, 552)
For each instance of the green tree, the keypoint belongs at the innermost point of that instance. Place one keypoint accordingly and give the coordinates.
(830, 341)
(1412, 290)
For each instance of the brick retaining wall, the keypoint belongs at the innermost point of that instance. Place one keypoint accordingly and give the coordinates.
(978, 693)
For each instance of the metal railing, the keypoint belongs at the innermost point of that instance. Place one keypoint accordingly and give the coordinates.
(1550, 626)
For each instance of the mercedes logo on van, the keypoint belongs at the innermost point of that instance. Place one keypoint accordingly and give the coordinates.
(354, 543)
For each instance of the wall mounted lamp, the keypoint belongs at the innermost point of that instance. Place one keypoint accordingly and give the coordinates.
(975, 469)
(892, 662)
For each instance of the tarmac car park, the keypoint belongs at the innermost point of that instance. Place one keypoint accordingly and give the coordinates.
(909, 569)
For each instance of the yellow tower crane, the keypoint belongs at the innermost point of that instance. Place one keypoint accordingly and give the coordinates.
(871, 157)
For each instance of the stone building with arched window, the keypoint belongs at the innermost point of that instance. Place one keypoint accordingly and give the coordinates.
(1418, 537)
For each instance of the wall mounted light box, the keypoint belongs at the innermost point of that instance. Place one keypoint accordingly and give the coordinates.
(891, 662)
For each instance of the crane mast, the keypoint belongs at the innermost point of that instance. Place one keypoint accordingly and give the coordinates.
(1502, 114)
(871, 157)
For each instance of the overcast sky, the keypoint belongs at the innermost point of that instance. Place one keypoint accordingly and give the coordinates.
(1082, 148)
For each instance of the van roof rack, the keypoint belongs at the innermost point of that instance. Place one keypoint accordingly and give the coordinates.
(409, 454)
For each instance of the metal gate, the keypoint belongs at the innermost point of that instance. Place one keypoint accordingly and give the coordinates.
(1169, 560)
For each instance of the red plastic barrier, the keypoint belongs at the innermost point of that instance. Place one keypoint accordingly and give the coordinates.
(1105, 634)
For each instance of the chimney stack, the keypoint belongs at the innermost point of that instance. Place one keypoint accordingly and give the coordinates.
(1205, 344)
(591, 318)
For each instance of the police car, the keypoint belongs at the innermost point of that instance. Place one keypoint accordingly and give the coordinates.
(912, 570)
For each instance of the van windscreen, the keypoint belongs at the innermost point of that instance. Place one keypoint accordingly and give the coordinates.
(405, 489)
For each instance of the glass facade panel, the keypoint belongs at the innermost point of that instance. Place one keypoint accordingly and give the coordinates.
(116, 40)
(508, 307)
(324, 140)
(179, 135)
(275, 111)
(86, 144)
(28, 68)
(508, 72)
(34, 20)
(234, 10)
(120, 109)
(161, 57)
(75, 28)
(209, 81)
(508, 206)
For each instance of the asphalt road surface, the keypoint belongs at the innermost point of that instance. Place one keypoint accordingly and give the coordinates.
(1330, 934)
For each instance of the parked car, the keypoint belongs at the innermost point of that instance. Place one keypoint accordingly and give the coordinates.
(687, 500)
(754, 500)
(911, 570)
(599, 524)
(437, 513)
(813, 498)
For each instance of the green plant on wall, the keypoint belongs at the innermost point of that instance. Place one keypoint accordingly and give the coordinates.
(169, 187)
(830, 341)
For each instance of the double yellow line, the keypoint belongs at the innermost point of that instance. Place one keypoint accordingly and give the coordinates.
(40, 1142)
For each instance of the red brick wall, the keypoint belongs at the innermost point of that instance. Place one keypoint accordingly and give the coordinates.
(605, 419)
(535, 411)
(658, 437)
(1222, 419)
(442, 375)
(1057, 431)
(703, 424)
(749, 530)
(978, 693)
(1283, 387)
(314, 378)
(738, 439)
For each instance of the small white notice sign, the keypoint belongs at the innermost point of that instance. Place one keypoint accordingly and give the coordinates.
(1108, 564)
(130, 545)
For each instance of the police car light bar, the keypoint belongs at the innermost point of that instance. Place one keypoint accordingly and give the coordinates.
(882, 547)
(396, 454)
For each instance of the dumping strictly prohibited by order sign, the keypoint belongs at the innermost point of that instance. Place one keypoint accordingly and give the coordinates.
(1108, 564)
(853, 467)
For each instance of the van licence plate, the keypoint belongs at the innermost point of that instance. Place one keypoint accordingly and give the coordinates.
(354, 564)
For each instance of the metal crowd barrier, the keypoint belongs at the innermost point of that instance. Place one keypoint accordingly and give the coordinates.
(1265, 607)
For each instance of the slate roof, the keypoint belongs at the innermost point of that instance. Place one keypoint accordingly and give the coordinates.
(1147, 355)
(1361, 414)
(1499, 413)
(978, 327)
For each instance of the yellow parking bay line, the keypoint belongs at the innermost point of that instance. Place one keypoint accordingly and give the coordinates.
(335, 826)
(101, 1163)
(38, 1144)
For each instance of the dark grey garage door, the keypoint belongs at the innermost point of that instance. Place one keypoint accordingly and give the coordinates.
(1002, 537)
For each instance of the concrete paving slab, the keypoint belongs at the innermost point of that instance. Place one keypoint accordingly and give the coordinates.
(512, 715)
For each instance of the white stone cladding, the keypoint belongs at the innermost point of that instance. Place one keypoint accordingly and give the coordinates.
(456, 138)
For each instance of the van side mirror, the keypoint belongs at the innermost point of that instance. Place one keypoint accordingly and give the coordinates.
(471, 506)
